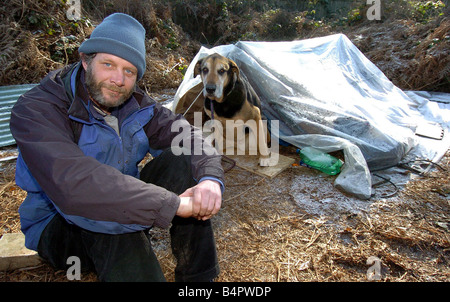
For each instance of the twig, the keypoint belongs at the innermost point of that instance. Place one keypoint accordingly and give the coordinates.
(312, 240)
(242, 193)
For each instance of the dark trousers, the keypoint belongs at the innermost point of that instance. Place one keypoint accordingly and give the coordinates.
(129, 257)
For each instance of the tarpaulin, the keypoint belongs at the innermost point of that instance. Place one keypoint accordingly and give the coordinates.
(326, 94)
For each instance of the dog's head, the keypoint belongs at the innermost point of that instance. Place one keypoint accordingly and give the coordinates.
(217, 73)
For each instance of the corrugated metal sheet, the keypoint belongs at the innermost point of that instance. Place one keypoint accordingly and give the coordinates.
(8, 97)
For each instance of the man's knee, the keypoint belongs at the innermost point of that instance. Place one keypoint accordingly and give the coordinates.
(170, 171)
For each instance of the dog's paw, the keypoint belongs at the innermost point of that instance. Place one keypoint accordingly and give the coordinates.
(267, 161)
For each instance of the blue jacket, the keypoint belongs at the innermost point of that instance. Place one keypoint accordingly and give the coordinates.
(71, 162)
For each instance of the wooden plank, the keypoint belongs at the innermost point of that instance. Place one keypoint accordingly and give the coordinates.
(14, 254)
(251, 163)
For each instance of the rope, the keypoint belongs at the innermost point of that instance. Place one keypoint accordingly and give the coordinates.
(192, 103)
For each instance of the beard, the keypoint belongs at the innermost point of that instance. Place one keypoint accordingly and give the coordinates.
(95, 91)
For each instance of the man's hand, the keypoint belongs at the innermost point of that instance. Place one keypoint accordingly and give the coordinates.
(205, 200)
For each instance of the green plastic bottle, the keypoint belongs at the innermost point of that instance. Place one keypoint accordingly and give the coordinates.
(319, 160)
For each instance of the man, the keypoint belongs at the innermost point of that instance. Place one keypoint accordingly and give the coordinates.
(81, 134)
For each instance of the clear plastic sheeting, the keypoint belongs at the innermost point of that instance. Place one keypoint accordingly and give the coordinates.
(326, 94)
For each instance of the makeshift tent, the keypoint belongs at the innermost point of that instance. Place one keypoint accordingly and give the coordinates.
(326, 94)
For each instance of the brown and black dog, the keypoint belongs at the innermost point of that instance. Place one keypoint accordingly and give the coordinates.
(229, 97)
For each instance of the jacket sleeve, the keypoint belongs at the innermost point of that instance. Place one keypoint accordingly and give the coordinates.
(167, 129)
(78, 184)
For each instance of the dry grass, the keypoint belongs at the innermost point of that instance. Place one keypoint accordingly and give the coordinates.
(266, 234)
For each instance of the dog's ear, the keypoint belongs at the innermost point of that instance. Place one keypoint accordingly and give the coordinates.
(234, 69)
(198, 67)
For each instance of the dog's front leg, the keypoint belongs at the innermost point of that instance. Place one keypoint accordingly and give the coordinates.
(265, 158)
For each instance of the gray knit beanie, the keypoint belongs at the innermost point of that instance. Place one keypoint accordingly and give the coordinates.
(120, 35)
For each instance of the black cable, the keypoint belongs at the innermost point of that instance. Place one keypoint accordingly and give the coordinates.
(384, 181)
(228, 160)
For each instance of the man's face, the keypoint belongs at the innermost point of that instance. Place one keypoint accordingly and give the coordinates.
(110, 80)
